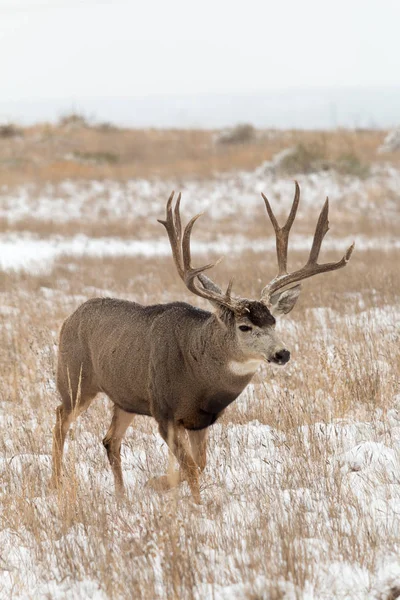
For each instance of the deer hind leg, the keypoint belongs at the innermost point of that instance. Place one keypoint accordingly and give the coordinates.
(74, 403)
(65, 416)
(175, 436)
(64, 419)
(198, 443)
(112, 443)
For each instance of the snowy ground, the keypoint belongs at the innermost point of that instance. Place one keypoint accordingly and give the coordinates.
(301, 494)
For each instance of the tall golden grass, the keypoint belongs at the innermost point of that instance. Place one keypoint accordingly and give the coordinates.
(284, 512)
(158, 546)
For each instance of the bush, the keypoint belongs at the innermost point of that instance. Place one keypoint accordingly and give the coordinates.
(312, 158)
(241, 134)
(9, 130)
(303, 159)
(73, 120)
(107, 127)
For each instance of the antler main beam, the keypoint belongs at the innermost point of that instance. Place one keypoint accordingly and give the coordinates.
(180, 246)
(311, 268)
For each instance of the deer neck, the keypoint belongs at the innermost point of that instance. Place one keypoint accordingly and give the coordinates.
(217, 346)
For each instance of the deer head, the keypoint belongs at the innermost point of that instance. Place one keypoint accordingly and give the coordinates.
(251, 322)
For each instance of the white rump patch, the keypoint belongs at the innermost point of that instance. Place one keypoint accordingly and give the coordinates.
(244, 368)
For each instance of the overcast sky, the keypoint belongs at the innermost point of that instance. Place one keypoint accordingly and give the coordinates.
(69, 51)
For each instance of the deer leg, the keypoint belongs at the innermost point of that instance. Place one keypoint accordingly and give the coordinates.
(64, 419)
(198, 443)
(112, 443)
(175, 437)
(65, 415)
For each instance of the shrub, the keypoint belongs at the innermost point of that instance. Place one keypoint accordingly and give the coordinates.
(73, 120)
(241, 134)
(303, 159)
(107, 127)
(9, 130)
(311, 158)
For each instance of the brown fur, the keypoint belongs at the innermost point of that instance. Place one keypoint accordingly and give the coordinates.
(168, 361)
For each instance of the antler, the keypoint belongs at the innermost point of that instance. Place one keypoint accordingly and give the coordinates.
(182, 257)
(311, 268)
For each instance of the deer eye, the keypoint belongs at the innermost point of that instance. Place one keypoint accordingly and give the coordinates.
(245, 328)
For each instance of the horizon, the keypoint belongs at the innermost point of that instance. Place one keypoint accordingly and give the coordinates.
(372, 107)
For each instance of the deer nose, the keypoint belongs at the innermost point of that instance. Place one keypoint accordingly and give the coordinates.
(282, 357)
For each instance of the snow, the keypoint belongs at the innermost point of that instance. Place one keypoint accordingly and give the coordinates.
(258, 476)
(224, 196)
(28, 253)
(372, 457)
(244, 458)
(227, 196)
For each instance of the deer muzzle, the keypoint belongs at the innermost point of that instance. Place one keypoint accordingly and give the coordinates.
(281, 357)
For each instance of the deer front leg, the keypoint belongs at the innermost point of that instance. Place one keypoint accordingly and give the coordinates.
(112, 443)
(175, 436)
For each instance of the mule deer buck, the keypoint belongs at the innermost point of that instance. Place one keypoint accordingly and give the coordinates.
(174, 362)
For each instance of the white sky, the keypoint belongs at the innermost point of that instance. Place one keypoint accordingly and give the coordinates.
(74, 49)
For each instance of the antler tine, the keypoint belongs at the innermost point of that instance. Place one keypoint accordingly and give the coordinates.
(169, 217)
(321, 230)
(311, 268)
(229, 289)
(177, 218)
(186, 254)
(282, 233)
(295, 205)
(174, 230)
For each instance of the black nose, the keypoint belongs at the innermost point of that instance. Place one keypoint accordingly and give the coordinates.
(282, 357)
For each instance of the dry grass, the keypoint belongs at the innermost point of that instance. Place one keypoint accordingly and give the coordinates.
(51, 153)
(82, 543)
(290, 510)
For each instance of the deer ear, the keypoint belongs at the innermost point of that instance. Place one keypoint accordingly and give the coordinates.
(282, 303)
(208, 284)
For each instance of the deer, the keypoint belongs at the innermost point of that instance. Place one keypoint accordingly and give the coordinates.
(177, 363)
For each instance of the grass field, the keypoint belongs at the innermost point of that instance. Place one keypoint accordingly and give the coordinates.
(301, 494)
(81, 150)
